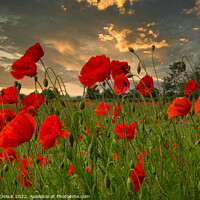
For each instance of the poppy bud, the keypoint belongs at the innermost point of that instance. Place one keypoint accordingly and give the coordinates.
(15, 181)
(15, 84)
(55, 91)
(62, 103)
(129, 68)
(129, 75)
(45, 82)
(131, 49)
(183, 66)
(153, 47)
(107, 181)
(138, 68)
(62, 165)
(82, 105)
(130, 185)
(2, 93)
(71, 140)
(132, 164)
(133, 108)
(94, 188)
(123, 101)
(5, 168)
(19, 86)
(35, 78)
(104, 83)
(154, 173)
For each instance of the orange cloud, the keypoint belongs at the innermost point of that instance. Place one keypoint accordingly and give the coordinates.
(141, 42)
(195, 9)
(184, 40)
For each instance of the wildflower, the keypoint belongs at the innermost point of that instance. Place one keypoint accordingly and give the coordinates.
(102, 109)
(10, 95)
(96, 69)
(18, 131)
(71, 170)
(197, 107)
(81, 137)
(24, 176)
(130, 131)
(50, 129)
(9, 115)
(118, 67)
(25, 66)
(87, 169)
(190, 86)
(9, 154)
(115, 113)
(82, 152)
(121, 84)
(31, 103)
(138, 173)
(142, 156)
(180, 106)
(145, 85)
(35, 51)
(115, 156)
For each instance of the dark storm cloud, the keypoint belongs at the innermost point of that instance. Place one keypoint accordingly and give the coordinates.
(70, 32)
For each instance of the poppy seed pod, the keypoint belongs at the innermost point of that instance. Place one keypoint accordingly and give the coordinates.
(5, 168)
(130, 185)
(35, 78)
(104, 83)
(19, 86)
(15, 84)
(183, 66)
(71, 140)
(45, 82)
(55, 91)
(107, 181)
(2, 93)
(15, 181)
(153, 47)
(129, 75)
(131, 49)
(82, 105)
(133, 108)
(139, 69)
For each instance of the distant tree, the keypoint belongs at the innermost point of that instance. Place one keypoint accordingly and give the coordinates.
(107, 93)
(175, 80)
(92, 93)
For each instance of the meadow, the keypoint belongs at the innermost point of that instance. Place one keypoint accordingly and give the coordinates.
(120, 148)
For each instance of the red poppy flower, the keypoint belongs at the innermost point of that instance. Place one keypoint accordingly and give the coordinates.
(137, 174)
(30, 103)
(197, 107)
(115, 156)
(118, 68)
(71, 170)
(130, 131)
(190, 86)
(42, 159)
(102, 109)
(180, 106)
(18, 131)
(96, 69)
(87, 169)
(25, 66)
(142, 156)
(10, 96)
(81, 137)
(87, 131)
(145, 85)
(35, 51)
(24, 176)
(115, 113)
(9, 114)
(50, 129)
(9, 154)
(82, 152)
(121, 84)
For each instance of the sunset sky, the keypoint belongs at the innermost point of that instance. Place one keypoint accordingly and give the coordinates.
(72, 31)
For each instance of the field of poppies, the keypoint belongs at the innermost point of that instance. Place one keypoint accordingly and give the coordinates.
(120, 148)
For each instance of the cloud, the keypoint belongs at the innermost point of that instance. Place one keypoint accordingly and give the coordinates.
(142, 41)
(195, 9)
(184, 40)
(104, 4)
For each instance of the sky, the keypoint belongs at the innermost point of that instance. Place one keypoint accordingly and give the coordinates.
(72, 31)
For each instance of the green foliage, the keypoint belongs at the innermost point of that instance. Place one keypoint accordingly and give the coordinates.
(49, 93)
(92, 93)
